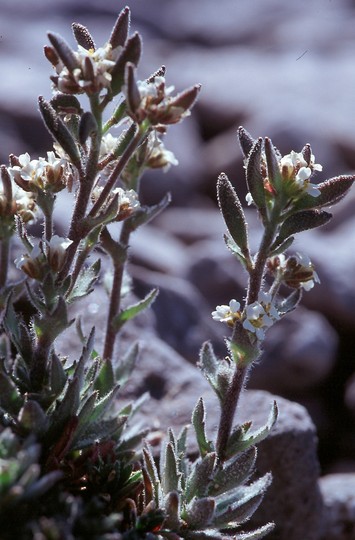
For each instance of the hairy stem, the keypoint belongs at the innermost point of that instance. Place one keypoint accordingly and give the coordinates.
(115, 297)
(228, 410)
(4, 261)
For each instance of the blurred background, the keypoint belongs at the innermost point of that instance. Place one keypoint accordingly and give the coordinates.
(281, 69)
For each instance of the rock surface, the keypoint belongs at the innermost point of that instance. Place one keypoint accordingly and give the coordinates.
(338, 491)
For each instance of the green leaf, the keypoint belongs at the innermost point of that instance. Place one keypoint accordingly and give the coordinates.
(105, 379)
(50, 325)
(242, 439)
(254, 177)
(199, 513)
(131, 53)
(281, 248)
(59, 131)
(235, 249)
(87, 127)
(10, 398)
(57, 376)
(208, 364)
(199, 479)
(32, 417)
(153, 475)
(170, 476)
(145, 214)
(120, 29)
(198, 421)
(300, 221)
(134, 310)
(237, 507)
(17, 331)
(246, 141)
(256, 534)
(85, 283)
(234, 473)
(331, 192)
(233, 214)
(290, 303)
(273, 168)
(127, 364)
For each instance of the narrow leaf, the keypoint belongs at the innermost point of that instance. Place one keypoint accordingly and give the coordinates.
(254, 177)
(145, 214)
(246, 141)
(120, 29)
(301, 221)
(235, 472)
(256, 534)
(127, 364)
(131, 53)
(232, 212)
(134, 310)
(208, 364)
(87, 126)
(273, 169)
(200, 477)
(85, 283)
(170, 476)
(199, 513)
(59, 131)
(331, 192)
(63, 50)
(198, 421)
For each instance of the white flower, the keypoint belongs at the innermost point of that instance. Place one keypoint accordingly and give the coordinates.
(28, 170)
(249, 199)
(297, 167)
(260, 315)
(159, 156)
(57, 247)
(228, 314)
(108, 144)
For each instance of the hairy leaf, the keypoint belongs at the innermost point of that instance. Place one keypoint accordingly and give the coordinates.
(331, 192)
(254, 177)
(198, 421)
(273, 169)
(83, 36)
(134, 310)
(233, 214)
(246, 141)
(301, 221)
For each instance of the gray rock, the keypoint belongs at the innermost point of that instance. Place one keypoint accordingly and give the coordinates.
(338, 491)
(290, 452)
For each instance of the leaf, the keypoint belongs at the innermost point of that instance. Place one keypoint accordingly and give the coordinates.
(63, 50)
(281, 248)
(10, 397)
(17, 331)
(153, 475)
(50, 325)
(290, 303)
(170, 476)
(233, 214)
(254, 177)
(235, 250)
(257, 534)
(131, 53)
(127, 364)
(134, 310)
(198, 421)
(87, 127)
(120, 29)
(105, 379)
(85, 283)
(331, 192)
(235, 472)
(246, 141)
(273, 169)
(200, 477)
(230, 514)
(199, 513)
(242, 439)
(57, 376)
(300, 221)
(145, 214)
(208, 364)
(59, 131)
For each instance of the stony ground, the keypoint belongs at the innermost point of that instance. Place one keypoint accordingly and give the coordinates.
(282, 69)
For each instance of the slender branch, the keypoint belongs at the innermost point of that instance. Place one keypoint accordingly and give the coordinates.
(115, 297)
(127, 154)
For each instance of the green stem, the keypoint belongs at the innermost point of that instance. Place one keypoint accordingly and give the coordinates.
(228, 410)
(115, 297)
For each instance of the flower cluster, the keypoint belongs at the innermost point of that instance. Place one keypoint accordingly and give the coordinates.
(44, 256)
(228, 314)
(296, 271)
(260, 315)
(298, 171)
(127, 203)
(152, 100)
(256, 318)
(91, 71)
(41, 174)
